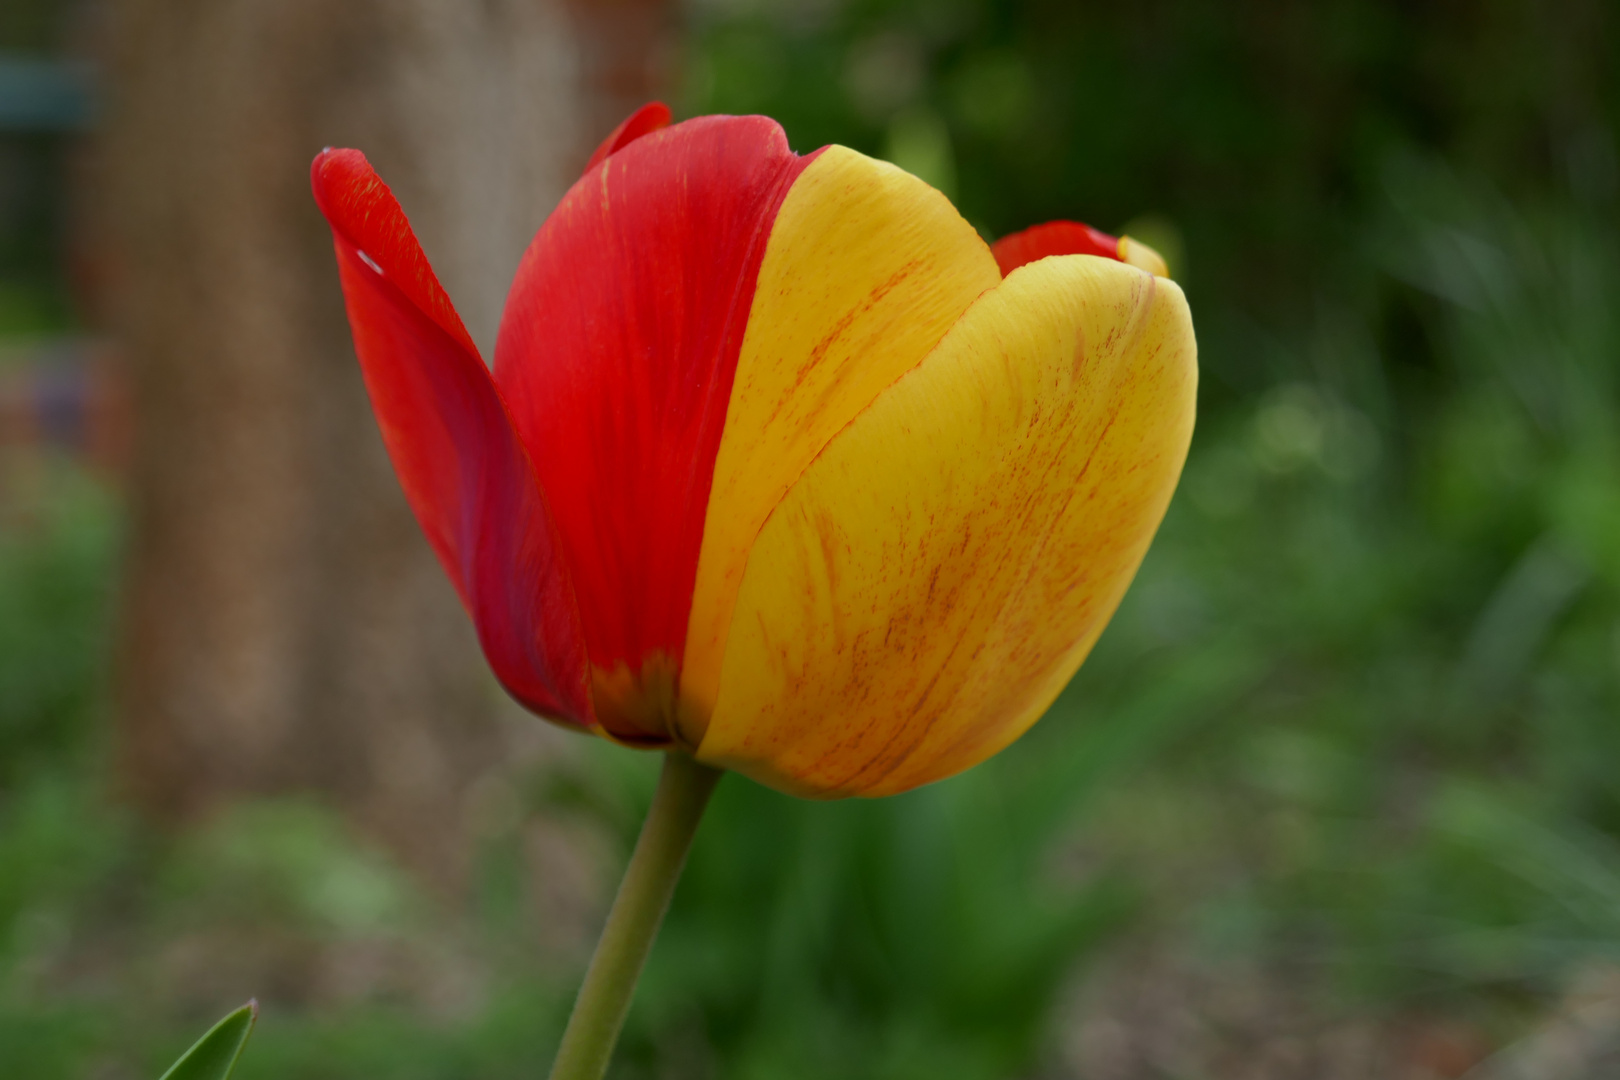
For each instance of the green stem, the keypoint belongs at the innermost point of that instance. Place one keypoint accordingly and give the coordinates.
(587, 1045)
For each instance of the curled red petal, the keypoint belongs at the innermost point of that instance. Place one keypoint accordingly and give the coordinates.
(1052, 238)
(649, 118)
(458, 457)
(616, 354)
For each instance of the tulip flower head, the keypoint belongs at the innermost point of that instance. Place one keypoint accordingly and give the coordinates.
(779, 464)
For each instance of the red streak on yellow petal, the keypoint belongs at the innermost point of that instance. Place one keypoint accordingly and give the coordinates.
(939, 572)
(866, 269)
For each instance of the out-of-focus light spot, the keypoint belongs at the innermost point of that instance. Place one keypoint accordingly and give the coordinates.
(882, 74)
(994, 94)
(1299, 427)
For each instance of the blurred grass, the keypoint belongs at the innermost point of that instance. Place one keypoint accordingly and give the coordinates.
(920, 936)
(1355, 721)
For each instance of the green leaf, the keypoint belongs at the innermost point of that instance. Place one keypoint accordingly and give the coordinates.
(213, 1057)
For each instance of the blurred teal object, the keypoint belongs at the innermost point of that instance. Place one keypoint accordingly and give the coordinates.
(45, 95)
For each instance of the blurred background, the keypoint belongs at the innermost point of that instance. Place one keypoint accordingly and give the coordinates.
(1338, 795)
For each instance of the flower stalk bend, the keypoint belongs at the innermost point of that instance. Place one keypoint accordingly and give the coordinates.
(684, 787)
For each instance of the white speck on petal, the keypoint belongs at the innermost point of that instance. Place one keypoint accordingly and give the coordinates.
(369, 261)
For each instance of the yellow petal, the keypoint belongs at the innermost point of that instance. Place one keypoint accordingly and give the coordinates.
(866, 269)
(928, 587)
(1133, 251)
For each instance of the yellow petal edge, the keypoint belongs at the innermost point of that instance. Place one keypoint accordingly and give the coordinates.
(1138, 254)
(865, 270)
(923, 593)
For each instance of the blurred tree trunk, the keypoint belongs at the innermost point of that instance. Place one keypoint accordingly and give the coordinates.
(285, 627)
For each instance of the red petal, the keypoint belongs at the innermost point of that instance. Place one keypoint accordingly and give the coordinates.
(455, 450)
(644, 121)
(616, 354)
(1053, 238)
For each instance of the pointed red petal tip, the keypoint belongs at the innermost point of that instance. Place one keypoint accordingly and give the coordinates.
(644, 121)
(362, 210)
(1052, 238)
(463, 467)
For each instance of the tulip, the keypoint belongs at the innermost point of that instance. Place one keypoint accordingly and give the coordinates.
(780, 467)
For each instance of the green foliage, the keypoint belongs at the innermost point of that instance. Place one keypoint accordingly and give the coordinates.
(56, 566)
(919, 936)
(1400, 522)
(214, 1056)
(1355, 718)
